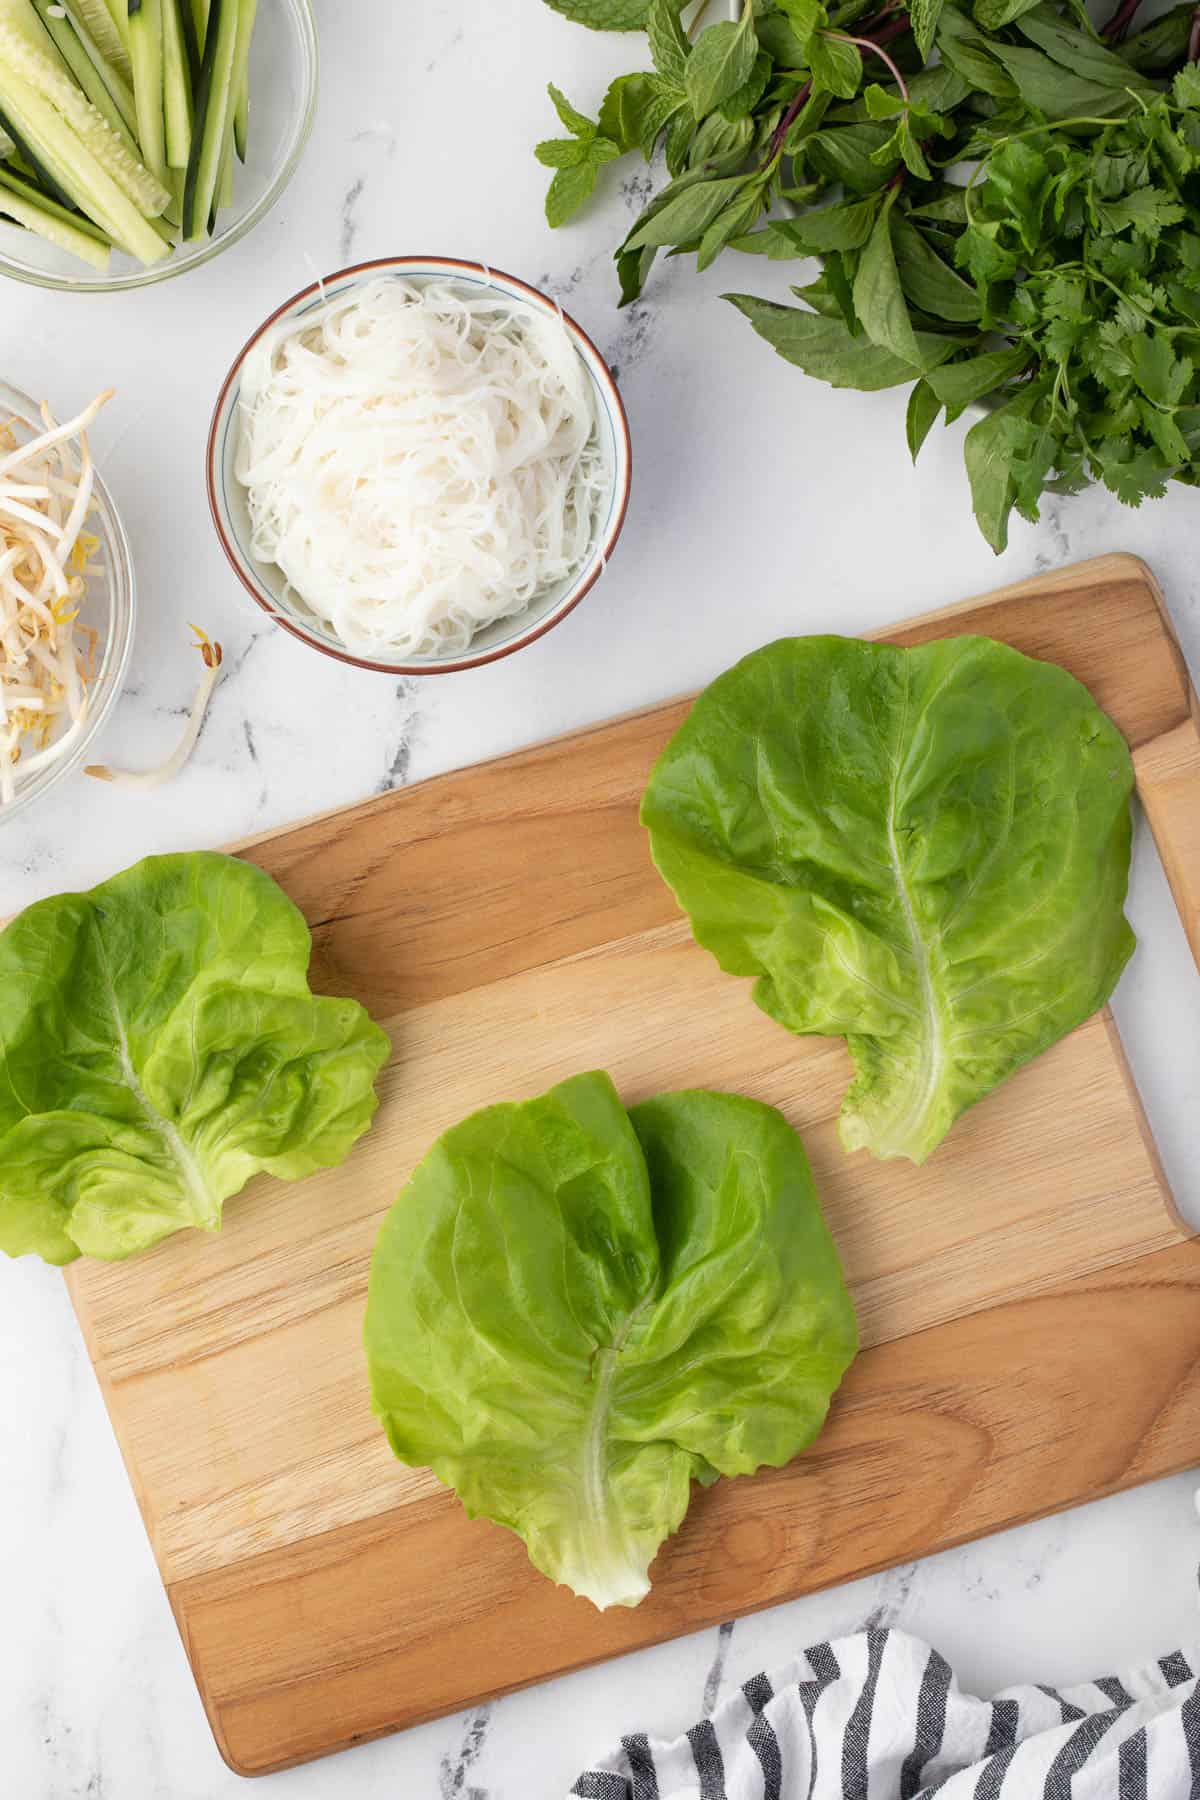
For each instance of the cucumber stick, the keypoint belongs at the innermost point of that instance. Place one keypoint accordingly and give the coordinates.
(36, 216)
(174, 213)
(98, 22)
(124, 119)
(27, 54)
(224, 194)
(199, 12)
(192, 45)
(118, 12)
(241, 110)
(146, 55)
(74, 171)
(241, 120)
(66, 41)
(114, 71)
(25, 190)
(29, 162)
(177, 87)
(214, 109)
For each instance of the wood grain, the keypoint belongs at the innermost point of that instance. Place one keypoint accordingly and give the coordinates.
(1031, 1277)
(1168, 775)
(396, 939)
(980, 1424)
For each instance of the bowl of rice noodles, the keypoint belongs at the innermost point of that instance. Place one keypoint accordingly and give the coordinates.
(419, 465)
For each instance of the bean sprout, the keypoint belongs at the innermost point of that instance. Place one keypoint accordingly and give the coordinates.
(47, 561)
(211, 655)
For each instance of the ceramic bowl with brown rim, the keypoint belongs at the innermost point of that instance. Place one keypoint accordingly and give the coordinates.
(266, 583)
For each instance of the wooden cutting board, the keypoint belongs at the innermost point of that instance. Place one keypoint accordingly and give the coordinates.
(1030, 1305)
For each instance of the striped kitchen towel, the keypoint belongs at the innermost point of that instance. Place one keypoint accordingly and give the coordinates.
(880, 1716)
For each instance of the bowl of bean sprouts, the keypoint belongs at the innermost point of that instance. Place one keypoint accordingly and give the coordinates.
(67, 598)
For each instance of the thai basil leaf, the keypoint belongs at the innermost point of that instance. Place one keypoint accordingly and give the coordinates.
(972, 55)
(819, 296)
(924, 851)
(687, 216)
(160, 1045)
(958, 384)
(825, 348)
(846, 154)
(806, 122)
(806, 194)
(845, 226)
(938, 90)
(575, 1312)
(929, 282)
(774, 240)
(1057, 93)
(1163, 43)
(737, 218)
(990, 451)
(720, 145)
(839, 271)
(921, 416)
(994, 15)
(633, 269)
(1082, 54)
(878, 297)
(950, 207)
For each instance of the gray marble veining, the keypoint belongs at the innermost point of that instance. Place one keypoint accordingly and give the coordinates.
(763, 503)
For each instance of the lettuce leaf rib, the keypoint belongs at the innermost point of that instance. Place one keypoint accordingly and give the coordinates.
(923, 851)
(575, 1312)
(159, 1045)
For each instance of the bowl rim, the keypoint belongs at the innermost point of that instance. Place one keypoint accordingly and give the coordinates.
(180, 262)
(598, 561)
(120, 642)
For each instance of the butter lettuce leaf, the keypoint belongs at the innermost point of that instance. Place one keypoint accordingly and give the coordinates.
(159, 1045)
(924, 851)
(575, 1312)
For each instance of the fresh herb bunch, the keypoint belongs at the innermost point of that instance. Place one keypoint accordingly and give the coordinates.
(1005, 203)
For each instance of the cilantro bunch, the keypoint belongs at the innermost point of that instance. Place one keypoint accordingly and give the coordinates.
(1004, 203)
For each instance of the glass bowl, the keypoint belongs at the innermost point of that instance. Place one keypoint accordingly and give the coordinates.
(265, 583)
(283, 99)
(110, 608)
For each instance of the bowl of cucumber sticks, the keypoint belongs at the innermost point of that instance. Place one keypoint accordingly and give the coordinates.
(139, 138)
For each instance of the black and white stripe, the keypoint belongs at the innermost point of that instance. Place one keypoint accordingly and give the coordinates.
(880, 1717)
(761, 1736)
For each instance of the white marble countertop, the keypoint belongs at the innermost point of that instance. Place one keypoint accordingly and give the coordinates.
(763, 503)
